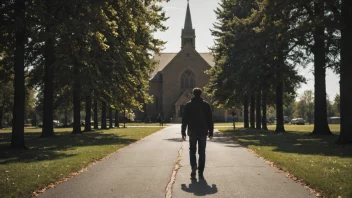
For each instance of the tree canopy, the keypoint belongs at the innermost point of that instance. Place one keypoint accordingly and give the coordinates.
(75, 49)
(260, 46)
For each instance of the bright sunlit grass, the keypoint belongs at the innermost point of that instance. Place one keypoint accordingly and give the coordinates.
(316, 160)
(50, 159)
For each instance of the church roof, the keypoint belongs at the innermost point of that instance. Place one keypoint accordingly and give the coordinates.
(164, 59)
(208, 57)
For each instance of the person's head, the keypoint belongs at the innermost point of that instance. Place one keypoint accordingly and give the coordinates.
(197, 92)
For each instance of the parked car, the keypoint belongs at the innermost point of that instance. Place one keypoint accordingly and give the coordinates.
(298, 121)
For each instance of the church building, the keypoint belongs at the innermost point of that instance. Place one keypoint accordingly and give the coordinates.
(176, 74)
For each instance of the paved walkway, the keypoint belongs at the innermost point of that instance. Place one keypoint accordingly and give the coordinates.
(145, 169)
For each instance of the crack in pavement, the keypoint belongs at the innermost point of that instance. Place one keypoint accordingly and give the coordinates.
(174, 173)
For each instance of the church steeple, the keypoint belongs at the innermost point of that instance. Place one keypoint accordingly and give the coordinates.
(188, 33)
(188, 21)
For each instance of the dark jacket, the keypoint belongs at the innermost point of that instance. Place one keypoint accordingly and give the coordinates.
(197, 116)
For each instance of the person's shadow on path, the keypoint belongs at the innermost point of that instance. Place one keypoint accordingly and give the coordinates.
(200, 188)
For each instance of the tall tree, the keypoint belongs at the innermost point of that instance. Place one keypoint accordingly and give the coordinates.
(253, 47)
(87, 123)
(103, 115)
(346, 73)
(258, 112)
(245, 112)
(110, 118)
(17, 140)
(6, 101)
(48, 104)
(95, 117)
(321, 126)
(252, 112)
(279, 96)
(264, 107)
(76, 101)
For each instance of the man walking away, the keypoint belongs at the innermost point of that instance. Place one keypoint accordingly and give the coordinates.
(198, 118)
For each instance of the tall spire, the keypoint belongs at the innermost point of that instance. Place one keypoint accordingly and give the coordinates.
(188, 21)
(188, 33)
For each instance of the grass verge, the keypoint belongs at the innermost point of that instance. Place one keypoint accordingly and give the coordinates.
(153, 124)
(317, 160)
(227, 124)
(51, 159)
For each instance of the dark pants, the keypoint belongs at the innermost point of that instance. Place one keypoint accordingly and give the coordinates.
(202, 142)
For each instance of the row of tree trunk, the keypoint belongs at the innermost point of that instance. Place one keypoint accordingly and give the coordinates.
(257, 111)
(88, 108)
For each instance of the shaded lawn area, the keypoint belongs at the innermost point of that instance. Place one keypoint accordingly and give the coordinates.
(51, 159)
(316, 160)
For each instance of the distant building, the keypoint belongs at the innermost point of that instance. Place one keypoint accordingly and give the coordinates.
(174, 77)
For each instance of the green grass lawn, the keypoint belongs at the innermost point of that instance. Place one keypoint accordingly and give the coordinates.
(316, 160)
(143, 124)
(228, 124)
(51, 159)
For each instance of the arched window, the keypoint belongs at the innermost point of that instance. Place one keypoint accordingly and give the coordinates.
(188, 80)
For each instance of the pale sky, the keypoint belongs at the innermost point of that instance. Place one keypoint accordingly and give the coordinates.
(203, 17)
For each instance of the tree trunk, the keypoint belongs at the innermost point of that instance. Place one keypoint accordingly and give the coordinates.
(258, 113)
(65, 119)
(34, 119)
(48, 103)
(110, 117)
(17, 140)
(245, 112)
(96, 114)
(264, 99)
(321, 126)
(346, 73)
(87, 124)
(251, 113)
(279, 97)
(145, 115)
(117, 124)
(1, 116)
(76, 101)
(124, 118)
(103, 115)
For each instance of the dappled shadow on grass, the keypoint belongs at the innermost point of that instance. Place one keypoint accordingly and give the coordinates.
(41, 149)
(292, 142)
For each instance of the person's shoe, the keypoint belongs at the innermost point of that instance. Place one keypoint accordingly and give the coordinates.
(193, 173)
(200, 175)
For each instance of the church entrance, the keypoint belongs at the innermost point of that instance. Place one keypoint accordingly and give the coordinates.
(180, 105)
(182, 108)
